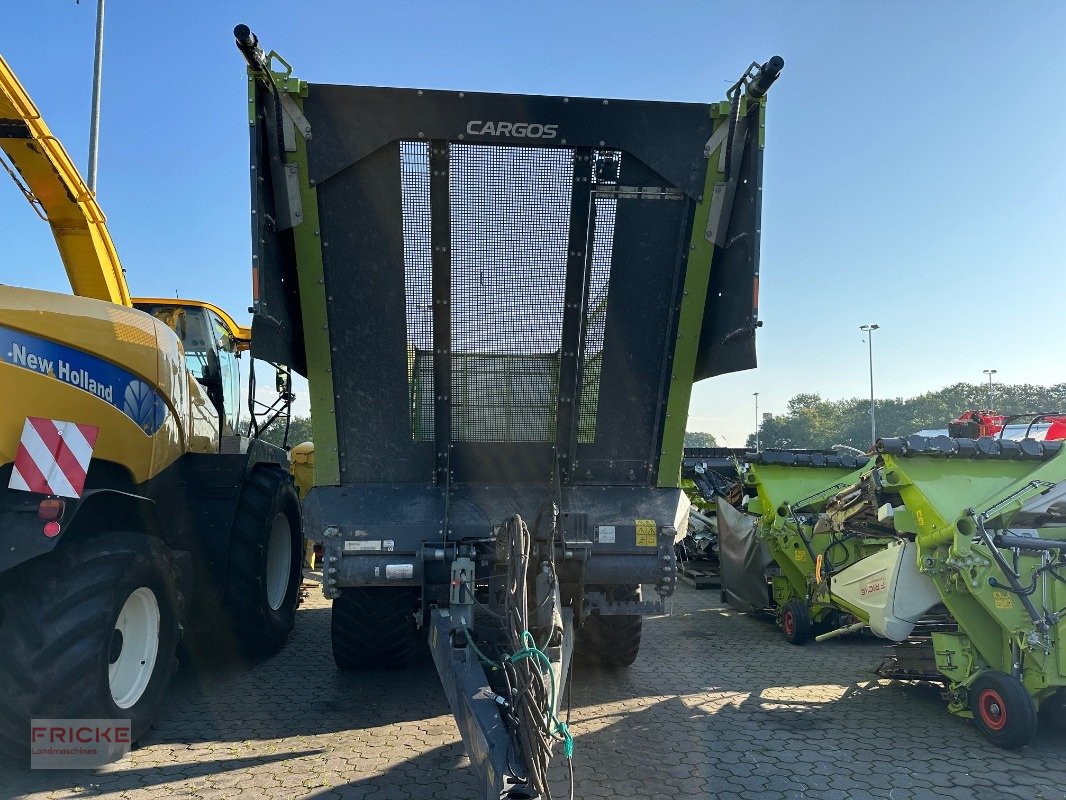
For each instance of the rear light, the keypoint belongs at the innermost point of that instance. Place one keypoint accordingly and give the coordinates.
(50, 510)
(51, 529)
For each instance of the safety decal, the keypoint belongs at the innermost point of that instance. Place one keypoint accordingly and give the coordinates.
(53, 457)
(647, 533)
(112, 384)
(1002, 600)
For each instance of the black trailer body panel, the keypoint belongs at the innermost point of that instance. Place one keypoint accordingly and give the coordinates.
(405, 187)
(350, 122)
(503, 284)
(731, 317)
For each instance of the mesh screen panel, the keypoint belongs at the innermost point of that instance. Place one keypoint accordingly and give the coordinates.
(510, 219)
(418, 285)
(606, 167)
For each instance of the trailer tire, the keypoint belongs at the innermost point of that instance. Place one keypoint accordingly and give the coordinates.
(373, 628)
(796, 622)
(1053, 711)
(265, 557)
(611, 641)
(1003, 709)
(90, 631)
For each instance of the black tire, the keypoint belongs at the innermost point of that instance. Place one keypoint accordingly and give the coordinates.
(613, 641)
(58, 619)
(796, 622)
(1003, 709)
(373, 628)
(259, 621)
(1053, 711)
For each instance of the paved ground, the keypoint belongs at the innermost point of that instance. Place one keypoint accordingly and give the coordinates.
(718, 705)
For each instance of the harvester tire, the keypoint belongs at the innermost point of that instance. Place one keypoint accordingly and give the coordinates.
(373, 628)
(1003, 709)
(796, 622)
(265, 558)
(611, 641)
(89, 631)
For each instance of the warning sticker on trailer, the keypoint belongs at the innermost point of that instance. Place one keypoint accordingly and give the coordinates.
(1003, 600)
(647, 533)
(605, 534)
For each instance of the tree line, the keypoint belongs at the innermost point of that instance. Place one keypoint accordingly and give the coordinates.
(814, 422)
(300, 431)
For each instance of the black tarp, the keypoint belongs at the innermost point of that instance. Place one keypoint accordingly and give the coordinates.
(744, 559)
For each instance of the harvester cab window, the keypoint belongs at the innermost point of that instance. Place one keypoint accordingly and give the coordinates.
(210, 355)
(229, 373)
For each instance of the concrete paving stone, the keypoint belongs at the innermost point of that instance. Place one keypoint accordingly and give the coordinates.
(749, 794)
(717, 706)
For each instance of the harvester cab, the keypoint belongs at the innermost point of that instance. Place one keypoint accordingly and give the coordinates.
(213, 344)
(500, 303)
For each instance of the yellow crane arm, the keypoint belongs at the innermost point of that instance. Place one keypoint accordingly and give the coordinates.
(44, 172)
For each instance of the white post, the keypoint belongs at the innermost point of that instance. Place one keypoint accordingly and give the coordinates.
(757, 426)
(869, 329)
(94, 120)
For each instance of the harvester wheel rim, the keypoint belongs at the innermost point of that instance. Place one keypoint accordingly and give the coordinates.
(993, 709)
(279, 561)
(134, 647)
(788, 622)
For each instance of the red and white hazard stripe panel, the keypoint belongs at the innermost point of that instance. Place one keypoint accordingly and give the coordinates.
(53, 457)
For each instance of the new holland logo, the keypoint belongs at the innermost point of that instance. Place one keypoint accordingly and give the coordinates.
(520, 130)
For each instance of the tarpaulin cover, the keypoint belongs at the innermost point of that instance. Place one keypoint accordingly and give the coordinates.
(744, 559)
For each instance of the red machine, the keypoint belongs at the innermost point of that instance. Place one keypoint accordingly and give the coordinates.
(974, 424)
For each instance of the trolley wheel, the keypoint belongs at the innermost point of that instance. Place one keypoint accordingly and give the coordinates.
(1003, 709)
(796, 622)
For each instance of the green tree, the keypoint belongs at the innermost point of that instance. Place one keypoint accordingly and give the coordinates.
(299, 431)
(700, 439)
(812, 422)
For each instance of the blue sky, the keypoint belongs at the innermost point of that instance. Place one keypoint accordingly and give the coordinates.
(914, 168)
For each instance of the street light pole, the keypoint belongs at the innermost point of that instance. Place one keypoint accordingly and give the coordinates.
(990, 373)
(757, 426)
(869, 330)
(94, 119)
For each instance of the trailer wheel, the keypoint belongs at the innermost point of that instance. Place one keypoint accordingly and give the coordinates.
(265, 553)
(373, 627)
(611, 641)
(796, 622)
(1003, 709)
(1053, 711)
(89, 631)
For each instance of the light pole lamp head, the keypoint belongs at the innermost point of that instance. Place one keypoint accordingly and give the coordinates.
(872, 327)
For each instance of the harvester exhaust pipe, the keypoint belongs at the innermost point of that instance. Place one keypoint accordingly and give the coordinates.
(765, 77)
